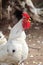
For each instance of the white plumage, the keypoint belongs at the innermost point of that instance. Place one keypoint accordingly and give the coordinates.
(17, 43)
(17, 32)
(16, 49)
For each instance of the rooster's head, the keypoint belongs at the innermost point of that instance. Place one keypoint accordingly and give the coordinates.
(26, 20)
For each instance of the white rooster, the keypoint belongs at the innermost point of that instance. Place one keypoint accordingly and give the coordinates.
(17, 46)
(16, 50)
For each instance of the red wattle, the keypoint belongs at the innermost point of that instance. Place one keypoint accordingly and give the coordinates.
(26, 24)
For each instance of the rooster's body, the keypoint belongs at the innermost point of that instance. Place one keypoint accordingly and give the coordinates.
(18, 43)
(16, 50)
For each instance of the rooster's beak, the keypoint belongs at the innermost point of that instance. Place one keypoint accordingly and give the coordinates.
(29, 19)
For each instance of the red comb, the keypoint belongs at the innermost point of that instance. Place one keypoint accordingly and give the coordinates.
(25, 14)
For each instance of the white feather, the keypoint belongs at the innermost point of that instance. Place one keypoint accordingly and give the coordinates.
(17, 43)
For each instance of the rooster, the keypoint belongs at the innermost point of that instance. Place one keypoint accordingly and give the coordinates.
(16, 47)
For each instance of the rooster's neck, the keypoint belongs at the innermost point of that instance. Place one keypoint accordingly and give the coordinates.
(17, 31)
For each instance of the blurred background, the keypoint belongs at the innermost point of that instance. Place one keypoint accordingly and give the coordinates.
(10, 14)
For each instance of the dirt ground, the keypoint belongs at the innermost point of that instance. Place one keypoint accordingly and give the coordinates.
(35, 42)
